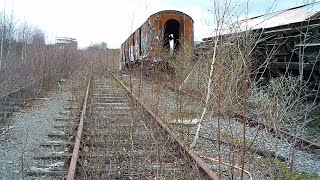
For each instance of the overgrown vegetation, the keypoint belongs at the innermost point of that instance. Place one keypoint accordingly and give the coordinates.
(26, 57)
(227, 77)
(280, 171)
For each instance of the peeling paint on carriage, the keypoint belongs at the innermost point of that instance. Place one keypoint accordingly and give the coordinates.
(155, 34)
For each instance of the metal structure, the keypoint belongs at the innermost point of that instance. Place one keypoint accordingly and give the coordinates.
(167, 29)
(289, 40)
(65, 42)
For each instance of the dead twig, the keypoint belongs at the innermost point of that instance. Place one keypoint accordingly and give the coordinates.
(6, 129)
(227, 164)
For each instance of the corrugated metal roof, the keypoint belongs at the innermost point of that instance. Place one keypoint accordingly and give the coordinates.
(284, 17)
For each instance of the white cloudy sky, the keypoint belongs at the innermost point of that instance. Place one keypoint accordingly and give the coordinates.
(113, 21)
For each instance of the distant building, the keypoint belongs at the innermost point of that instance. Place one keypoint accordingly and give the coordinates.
(286, 40)
(67, 42)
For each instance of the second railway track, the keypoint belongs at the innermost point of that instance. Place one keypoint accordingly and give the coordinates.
(298, 141)
(121, 140)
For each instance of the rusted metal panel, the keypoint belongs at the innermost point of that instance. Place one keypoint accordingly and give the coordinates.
(144, 41)
(158, 21)
(137, 44)
(130, 48)
(125, 53)
(121, 55)
(186, 25)
(147, 41)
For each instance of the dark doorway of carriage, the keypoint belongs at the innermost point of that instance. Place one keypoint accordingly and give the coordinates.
(171, 35)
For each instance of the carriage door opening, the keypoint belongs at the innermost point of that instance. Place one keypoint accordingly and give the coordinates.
(171, 35)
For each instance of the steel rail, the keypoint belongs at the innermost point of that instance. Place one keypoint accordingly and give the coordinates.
(280, 133)
(254, 123)
(74, 158)
(20, 88)
(205, 170)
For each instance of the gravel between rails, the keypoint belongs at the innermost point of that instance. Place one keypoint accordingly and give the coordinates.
(164, 102)
(29, 128)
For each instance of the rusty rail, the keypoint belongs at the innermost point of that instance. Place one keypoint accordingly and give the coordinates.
(20, 88)
(202, 166)
(254, 123)
(74, 158)
(280, 133)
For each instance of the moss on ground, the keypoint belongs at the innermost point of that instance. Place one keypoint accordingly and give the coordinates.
(280, 170)
(183, 115)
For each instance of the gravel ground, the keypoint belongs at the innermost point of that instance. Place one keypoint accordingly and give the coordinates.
(29, 128)
(164, 103)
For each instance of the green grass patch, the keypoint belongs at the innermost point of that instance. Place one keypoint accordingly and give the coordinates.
(280, 170)
(183, 115)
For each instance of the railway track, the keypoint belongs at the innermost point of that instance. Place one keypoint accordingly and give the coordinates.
(122, 139)
(44, 152)
(118, 137)
(15, 100)
(51, 158)
(298, 141)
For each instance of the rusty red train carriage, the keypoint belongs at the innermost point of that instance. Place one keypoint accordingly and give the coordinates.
(168, 29)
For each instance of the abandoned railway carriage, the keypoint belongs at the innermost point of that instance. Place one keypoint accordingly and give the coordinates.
(167, 29)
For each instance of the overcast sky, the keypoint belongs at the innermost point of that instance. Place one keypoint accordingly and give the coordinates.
(94, 21)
